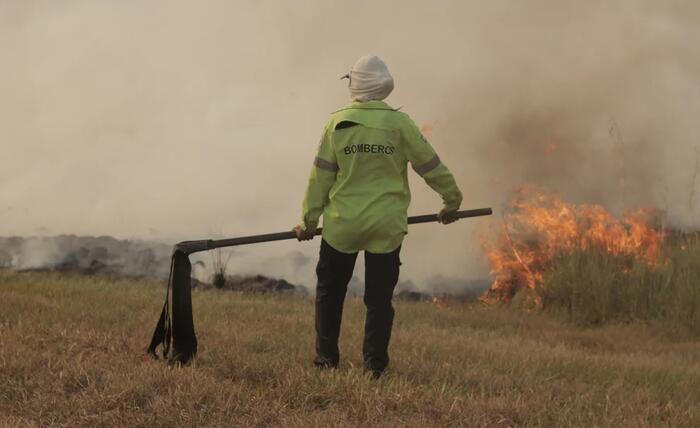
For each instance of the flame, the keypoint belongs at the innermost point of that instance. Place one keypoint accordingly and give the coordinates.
(550, 148)
(439, 302)
(538, 227)
(427, 130)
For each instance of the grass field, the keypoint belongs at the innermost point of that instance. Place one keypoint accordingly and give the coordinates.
(72, 353)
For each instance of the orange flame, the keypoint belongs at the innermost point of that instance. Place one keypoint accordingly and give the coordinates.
(538, 227)
(427, 130)
(550, 148)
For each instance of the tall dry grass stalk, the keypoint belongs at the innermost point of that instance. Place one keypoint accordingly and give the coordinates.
(220, 260)
(594, 287)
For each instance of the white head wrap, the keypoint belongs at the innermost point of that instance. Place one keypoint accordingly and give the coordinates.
(370, 79)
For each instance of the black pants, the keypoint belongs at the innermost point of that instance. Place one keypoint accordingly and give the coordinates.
(334, 271)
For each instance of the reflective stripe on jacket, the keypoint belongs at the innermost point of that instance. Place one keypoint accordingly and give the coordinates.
(359, 180)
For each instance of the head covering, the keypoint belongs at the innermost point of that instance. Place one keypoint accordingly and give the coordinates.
(369, 79)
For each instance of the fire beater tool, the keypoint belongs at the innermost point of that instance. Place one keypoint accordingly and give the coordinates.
(175, 328)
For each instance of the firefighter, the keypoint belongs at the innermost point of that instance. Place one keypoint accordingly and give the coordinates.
(359, 184)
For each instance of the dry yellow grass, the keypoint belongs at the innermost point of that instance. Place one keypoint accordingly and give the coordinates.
(72, 354)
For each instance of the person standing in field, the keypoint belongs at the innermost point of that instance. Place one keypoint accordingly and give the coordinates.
(359, 184)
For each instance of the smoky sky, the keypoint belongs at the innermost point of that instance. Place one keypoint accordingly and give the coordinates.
(174, 120)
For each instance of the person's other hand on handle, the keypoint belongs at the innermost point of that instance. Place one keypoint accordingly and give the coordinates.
(303, 235)
(446, 216)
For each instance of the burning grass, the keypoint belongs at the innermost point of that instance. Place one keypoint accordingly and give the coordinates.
(584, 263)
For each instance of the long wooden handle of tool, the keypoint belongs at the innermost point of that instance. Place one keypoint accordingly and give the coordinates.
(190, 247)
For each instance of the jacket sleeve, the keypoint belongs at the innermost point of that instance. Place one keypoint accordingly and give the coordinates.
(428, 165)
(321, 179)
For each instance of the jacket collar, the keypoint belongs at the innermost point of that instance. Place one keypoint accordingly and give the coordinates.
(368, 105)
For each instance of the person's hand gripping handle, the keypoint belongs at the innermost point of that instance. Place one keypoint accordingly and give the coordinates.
(303, 235)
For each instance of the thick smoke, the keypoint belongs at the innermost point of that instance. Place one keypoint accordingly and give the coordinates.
(92, 255)
(185, 120)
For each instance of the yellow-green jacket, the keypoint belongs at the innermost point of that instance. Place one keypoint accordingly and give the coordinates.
(359, 181)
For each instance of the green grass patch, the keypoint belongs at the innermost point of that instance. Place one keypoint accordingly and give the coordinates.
(593, 288)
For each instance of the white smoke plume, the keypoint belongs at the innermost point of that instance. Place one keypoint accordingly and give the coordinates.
(186, 120)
